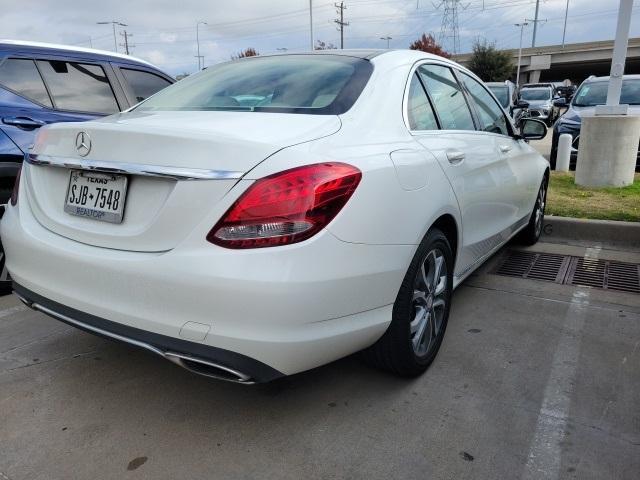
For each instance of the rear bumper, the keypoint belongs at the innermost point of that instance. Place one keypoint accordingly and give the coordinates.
(290, 308)
(199, 358)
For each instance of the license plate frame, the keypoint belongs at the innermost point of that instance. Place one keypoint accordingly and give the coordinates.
(82, 207)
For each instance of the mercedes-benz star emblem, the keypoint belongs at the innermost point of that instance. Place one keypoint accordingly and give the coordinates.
(83, 144)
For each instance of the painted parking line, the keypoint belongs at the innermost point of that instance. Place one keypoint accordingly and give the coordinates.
(544, 459)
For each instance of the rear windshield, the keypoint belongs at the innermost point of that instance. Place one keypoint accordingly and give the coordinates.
(317, 84)
(501, 93)
(535, 94)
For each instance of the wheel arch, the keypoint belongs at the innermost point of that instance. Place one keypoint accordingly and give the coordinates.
(447, 224)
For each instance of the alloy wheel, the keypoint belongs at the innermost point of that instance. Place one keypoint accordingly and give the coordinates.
(429, 302)
(540, 204)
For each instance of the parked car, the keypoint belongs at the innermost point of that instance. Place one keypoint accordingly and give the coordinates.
(540, 99)
(592, 92)
(506, 93)
(42, 83)
(247, 242)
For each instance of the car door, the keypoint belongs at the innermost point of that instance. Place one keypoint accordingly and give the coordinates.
(471, 162)
(514, 165)
(27, 102)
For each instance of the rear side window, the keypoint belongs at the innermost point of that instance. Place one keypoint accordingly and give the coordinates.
(419, 112)
(21, 76)
(447, 96)
(489, 112)
(78, 86)
(143, 84)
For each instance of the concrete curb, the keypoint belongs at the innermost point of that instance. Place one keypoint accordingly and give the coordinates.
(622, 234)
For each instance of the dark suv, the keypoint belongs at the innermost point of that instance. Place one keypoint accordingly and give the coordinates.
(592, 92)
(42, 83)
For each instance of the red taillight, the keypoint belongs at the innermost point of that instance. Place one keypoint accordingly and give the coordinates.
(16, 189)
(287, 207)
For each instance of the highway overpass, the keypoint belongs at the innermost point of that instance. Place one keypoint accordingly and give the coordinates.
(576, 61)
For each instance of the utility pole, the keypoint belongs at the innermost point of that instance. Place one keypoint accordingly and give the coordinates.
(115, 38)
(449, 28)
(126, 44)
(311, 25)
(535, 22)
(341, 23)
(564, 30)
(387, 38)
(521, 25)
(200, 57)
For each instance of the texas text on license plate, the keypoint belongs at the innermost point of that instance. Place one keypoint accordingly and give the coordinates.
(96, 195)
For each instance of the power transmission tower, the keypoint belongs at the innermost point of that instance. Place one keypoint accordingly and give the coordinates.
(449, 26)
(341, 23)
(126, 43)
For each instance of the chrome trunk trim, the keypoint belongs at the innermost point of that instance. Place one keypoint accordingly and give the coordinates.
(175, 173)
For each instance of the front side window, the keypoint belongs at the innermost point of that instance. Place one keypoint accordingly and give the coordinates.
(21, 76)
(533, 94)
(318, 84)
(447, 96)
(490, 114)
(143, 84)
(78, 86)
(419, 112)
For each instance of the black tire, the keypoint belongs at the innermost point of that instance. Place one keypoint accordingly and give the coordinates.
(531, 233)
(5, 279)
(396, 351)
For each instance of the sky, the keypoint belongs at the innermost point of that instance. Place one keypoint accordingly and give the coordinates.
(164, 32)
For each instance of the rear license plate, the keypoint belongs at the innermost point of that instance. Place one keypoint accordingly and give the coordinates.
(96, 195)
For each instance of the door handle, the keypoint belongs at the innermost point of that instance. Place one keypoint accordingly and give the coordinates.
(455, 156)
(505, 148)
(22, 122)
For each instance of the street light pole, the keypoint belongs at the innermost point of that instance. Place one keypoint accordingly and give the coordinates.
(115, 38)
(564, 30)
(387, 38)
(198, 42)
(617, 62)
(521, 25)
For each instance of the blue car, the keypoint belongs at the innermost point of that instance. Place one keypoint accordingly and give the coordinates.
(42, 83)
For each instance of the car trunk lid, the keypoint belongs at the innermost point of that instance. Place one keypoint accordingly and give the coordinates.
(179, 164)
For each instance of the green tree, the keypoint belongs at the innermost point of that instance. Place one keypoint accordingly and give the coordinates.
(490, 64)
(427, 43)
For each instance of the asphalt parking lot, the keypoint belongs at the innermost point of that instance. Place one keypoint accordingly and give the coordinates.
(534, 381)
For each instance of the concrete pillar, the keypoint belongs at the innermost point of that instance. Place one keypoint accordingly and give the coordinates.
(607, 150)
(534, 76)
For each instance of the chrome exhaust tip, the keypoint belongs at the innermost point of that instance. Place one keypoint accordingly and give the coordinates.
(208, 368)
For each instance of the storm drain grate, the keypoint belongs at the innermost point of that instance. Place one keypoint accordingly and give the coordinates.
(569, 270)
(605, 274)
(538, 266)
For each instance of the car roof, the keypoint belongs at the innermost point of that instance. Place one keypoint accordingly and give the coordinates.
(34, 48)
(606, 79)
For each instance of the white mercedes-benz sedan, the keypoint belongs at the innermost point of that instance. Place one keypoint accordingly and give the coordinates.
(272, 214)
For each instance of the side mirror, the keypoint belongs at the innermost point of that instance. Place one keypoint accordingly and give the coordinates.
(522, 104)
(560, 102)
(532, 129)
